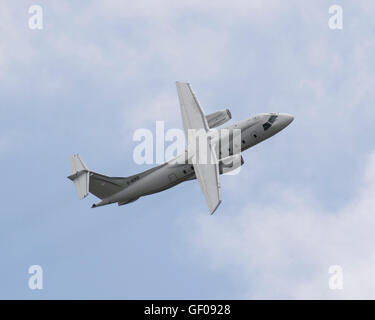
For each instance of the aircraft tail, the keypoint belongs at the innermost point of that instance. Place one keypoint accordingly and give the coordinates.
(80, 176)
(98, 184)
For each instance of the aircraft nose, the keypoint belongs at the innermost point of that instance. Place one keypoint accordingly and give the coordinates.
(289, 119)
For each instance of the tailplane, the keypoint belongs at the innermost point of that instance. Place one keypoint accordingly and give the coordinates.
(80, 176)
(98, 184)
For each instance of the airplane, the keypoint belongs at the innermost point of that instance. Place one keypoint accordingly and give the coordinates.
(124, 190)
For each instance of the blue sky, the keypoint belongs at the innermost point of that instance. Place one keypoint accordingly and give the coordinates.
(97, 71)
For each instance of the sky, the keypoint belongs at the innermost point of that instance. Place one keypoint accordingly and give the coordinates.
(100, 70)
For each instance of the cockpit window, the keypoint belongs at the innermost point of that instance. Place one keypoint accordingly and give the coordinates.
(272, 119)
(266, 126)
(269, 123)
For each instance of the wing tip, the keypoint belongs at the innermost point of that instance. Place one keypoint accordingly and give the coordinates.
(212, 210)
(182, 82)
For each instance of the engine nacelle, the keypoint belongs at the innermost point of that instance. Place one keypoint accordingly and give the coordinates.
(218, 118)
(230, 163)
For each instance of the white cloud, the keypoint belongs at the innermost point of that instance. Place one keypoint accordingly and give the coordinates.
(159, 107)
(183, 41)
(283, 248)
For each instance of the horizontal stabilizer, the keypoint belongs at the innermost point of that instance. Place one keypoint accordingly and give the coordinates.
(80, 176)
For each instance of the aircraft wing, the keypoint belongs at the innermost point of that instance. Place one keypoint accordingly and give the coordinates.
(208, 177)
(192, 114)
(193, 117)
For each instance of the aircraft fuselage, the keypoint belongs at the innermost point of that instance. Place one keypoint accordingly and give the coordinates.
(253, 131)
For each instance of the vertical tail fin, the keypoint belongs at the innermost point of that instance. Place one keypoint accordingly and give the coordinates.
(80, 176)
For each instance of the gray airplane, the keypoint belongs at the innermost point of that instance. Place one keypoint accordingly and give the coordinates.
(124, 190)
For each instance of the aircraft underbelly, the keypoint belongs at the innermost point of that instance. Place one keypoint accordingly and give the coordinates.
(157, 181)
